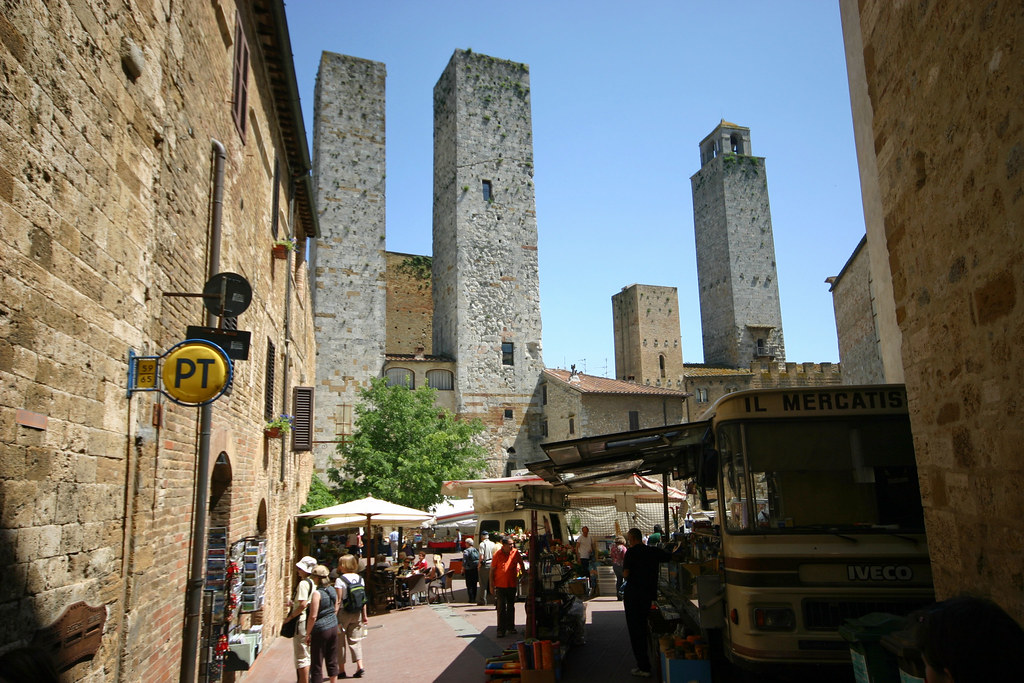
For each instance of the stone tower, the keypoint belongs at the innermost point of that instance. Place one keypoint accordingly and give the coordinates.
(485, 273)
(648, 350)
(740, 314)
(350, 267)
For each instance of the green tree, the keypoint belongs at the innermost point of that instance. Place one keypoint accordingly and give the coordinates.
(319, 496)
(403, 447)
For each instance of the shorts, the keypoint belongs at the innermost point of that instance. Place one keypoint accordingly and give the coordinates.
(299, 647)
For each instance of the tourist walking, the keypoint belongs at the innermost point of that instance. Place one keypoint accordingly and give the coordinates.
(352, 616)
(505, 566)
(322, 637)
(487, 548)
(470, 569)
(298, 604)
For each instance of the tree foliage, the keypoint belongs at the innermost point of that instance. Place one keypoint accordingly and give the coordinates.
(403, 447)
(319, 496)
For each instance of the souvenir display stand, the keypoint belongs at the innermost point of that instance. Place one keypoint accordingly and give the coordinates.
(235, 583)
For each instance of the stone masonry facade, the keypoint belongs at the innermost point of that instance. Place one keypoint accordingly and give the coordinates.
(940, 113)
(853, 300)
(741, 318)
(107, 112)
(485, 269)
(351, 267)
(648, 349)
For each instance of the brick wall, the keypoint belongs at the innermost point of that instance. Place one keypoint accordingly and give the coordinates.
(646, 328)
(410, 304)
(944, 116)
(104, 203)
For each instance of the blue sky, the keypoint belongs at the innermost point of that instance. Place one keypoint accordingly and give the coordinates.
(622, 94)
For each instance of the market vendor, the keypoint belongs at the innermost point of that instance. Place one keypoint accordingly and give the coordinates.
(640, 570)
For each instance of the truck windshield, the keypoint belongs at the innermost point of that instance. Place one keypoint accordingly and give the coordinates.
(828, 475)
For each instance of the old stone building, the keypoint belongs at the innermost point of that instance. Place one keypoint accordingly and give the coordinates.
(483, 350)
(143, 148)
(936, 98)
(854, 295)
(645, 322)
(577, 405)
(740, 314)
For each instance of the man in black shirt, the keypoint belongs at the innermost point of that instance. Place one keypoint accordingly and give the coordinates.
(640, 570)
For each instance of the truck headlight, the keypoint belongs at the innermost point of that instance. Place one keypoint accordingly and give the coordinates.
(774, 619)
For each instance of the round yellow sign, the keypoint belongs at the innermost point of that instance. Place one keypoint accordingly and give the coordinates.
(195, 372)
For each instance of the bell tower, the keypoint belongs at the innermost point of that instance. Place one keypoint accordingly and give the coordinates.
(740, 312)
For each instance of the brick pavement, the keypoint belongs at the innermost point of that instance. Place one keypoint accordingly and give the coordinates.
(450, 642)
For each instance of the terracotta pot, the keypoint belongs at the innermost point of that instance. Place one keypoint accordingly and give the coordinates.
(272, 432)
(280, 251)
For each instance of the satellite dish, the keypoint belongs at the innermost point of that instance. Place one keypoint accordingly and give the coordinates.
(227, 294)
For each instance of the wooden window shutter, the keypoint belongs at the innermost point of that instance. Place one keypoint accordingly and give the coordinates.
(268, 386)
(240, 78)
(302, 425)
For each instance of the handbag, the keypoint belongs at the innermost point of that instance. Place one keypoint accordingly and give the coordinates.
(288, 627)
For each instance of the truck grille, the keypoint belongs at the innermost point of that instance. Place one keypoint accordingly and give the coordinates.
(827, 615)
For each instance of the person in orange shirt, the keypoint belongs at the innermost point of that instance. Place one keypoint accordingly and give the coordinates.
(505, 565)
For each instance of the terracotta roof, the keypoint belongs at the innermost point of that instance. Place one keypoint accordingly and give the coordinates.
(588, 384)
(696, 370)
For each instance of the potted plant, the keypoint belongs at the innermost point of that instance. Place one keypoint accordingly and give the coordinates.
(278, 427)
(282, 247)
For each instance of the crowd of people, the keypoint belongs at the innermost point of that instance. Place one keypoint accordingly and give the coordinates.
(961, 640)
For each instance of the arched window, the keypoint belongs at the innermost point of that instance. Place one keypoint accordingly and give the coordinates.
(400, 377)
(442, 380)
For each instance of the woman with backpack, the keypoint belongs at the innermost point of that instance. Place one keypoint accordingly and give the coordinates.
(352, 615)
(322, 638)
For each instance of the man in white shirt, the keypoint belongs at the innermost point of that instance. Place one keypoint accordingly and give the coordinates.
(585, 549)
(393, 540)
(486, 547)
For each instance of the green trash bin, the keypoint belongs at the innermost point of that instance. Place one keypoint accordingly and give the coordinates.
(901, 644)
(871, 662)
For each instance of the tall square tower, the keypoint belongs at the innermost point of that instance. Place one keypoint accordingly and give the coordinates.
(485, 271)
(646, 327)
(349, 271)
(740, 313)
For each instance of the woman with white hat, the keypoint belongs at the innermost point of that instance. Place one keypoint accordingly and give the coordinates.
(298, 608)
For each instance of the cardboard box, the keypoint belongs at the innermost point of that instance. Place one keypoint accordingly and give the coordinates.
(685, 670)
(538, 676)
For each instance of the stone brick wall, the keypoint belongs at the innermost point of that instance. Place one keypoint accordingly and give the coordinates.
(735, 256)
(105, 193)
(708, 384)
(593, 414)
(351, 294)
(645, 320)
(853, 302)
(485, 272)
(410, 304)
(947, 128)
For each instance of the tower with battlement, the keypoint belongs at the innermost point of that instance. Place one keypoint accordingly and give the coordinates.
(741, 317)
(350, 266)
(486, 283)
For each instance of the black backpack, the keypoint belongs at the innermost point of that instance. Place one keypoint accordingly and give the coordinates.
(355, 595)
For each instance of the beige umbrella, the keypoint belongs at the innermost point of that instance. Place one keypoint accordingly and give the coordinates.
(372, 509)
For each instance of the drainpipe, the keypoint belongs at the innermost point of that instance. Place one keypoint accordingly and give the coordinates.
(197, 573)
(285, 374)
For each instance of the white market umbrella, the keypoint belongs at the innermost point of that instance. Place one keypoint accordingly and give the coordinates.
(370, 507)
(348, 521)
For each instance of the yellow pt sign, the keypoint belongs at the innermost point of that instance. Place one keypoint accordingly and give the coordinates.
(195, 372)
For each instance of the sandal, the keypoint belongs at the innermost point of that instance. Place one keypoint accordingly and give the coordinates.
(359, 674)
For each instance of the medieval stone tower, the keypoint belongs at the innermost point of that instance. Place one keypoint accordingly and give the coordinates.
(741, 317)
(485, 272)
(647, 345)
(349, 264)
